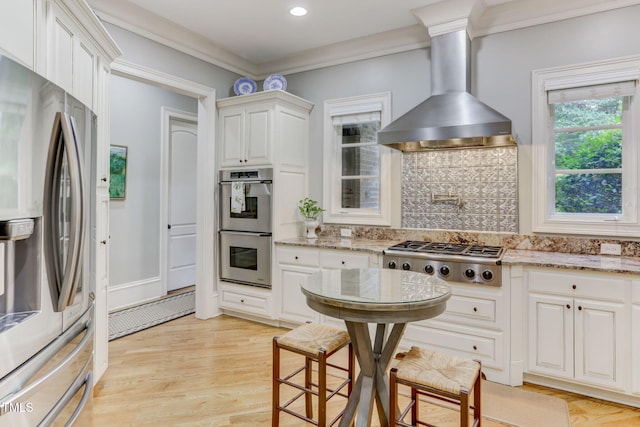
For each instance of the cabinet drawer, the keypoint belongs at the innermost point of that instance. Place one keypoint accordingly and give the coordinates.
(250, 303)
(589, 285)
(297, 256)
(344, 259)
(483, 347)
(472, 308)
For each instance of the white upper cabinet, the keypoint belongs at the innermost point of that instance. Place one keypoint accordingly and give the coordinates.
(71, 57)
(247, 135)
(264, 129)
(18, 30)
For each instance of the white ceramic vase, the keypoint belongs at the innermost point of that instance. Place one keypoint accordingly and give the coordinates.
(310, 226)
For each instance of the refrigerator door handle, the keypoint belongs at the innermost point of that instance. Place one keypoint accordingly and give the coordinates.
(63, 256)
(84, 379)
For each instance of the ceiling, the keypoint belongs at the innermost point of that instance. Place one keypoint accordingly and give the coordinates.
(258, 37)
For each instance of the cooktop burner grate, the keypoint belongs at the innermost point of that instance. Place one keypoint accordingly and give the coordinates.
(449, 249)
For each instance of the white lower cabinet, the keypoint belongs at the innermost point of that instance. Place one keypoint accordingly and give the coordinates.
(578, 327)
(474, 325)
(245, 299)
(635, 333)
(294, 306)
(295, 264)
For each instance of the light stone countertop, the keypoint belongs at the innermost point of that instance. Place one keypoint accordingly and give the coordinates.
(363, 245)
(602, 263)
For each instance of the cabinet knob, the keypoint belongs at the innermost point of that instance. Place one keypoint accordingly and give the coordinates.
(343, 263)
(103, 179)
(569, 306)
(573, 286)
(475, 309)
(475, 347)
(242, 301)
(296, 257)
(103, 242)
(579, 307)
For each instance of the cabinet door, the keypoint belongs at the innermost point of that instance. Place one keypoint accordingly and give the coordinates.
(258, 135)
(232, 134)
(293, 302)
(17, 30)
(61, 35)
(599, 337)
(84, 72)
(550, 335)
(635, 342)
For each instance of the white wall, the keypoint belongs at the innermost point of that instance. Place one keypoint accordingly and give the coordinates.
(143, 51)
(502, 65)
(134, 223)
(135, 110)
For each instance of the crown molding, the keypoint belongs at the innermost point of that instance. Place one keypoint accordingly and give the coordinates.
(528, 13)
(386, 43)
(488, 16)
(146, 24)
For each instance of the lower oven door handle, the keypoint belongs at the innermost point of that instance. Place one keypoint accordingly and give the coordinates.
(246, 233)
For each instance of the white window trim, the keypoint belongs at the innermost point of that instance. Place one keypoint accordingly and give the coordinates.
(390, 165)
(593, 73)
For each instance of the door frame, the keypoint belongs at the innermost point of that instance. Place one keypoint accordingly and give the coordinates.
(206, 249)
(168, 114)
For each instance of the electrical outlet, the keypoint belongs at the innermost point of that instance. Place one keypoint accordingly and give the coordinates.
(610, 249)
(345, 232)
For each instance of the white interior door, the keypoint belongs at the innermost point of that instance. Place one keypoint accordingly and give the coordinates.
(181, 217)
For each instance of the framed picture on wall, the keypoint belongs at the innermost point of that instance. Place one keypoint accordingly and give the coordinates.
(118, 172)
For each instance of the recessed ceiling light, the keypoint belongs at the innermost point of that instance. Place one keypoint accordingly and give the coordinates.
(298, 11)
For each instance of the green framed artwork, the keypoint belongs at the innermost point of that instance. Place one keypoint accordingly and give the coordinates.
(118, 172)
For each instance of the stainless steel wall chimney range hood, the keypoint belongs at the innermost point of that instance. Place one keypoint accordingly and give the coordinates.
(451, 117)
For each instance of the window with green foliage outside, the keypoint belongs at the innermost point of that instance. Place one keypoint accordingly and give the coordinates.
(588, 156)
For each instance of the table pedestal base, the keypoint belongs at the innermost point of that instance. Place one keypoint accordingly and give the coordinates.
(372, 383)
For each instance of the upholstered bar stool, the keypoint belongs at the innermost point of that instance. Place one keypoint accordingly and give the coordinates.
(436, 375)
(316, 343)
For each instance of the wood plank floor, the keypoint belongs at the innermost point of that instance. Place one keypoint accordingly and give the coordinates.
(217, 372)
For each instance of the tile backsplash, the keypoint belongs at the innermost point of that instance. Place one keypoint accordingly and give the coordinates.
(470, 190)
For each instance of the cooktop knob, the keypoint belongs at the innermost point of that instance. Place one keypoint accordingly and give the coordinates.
(392, 264)
(428, 269)
(406, 266)
(469, 273)
(444, 270)
(487, 275)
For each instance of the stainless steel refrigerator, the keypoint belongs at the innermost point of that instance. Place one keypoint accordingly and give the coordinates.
(47, 141)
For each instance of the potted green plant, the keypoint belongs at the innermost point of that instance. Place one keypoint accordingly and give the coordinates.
(310, 211)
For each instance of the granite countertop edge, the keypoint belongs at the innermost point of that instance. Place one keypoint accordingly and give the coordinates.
(601, 263)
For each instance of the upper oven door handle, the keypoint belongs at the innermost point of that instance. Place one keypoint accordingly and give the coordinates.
(263, 181)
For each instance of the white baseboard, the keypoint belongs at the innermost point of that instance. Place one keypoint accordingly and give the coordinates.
(127, 294)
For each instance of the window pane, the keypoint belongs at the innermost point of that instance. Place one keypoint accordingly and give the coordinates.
(361, 193)
(361, 160)
(360, 132)
(600, 149)
(589, 193)
(591, 112)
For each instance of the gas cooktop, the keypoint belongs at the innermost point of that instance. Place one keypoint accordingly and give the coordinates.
(472, 264)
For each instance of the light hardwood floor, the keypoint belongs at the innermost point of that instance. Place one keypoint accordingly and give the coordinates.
(217, 372)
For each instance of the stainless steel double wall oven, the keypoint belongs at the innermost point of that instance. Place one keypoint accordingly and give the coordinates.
(245, 226)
